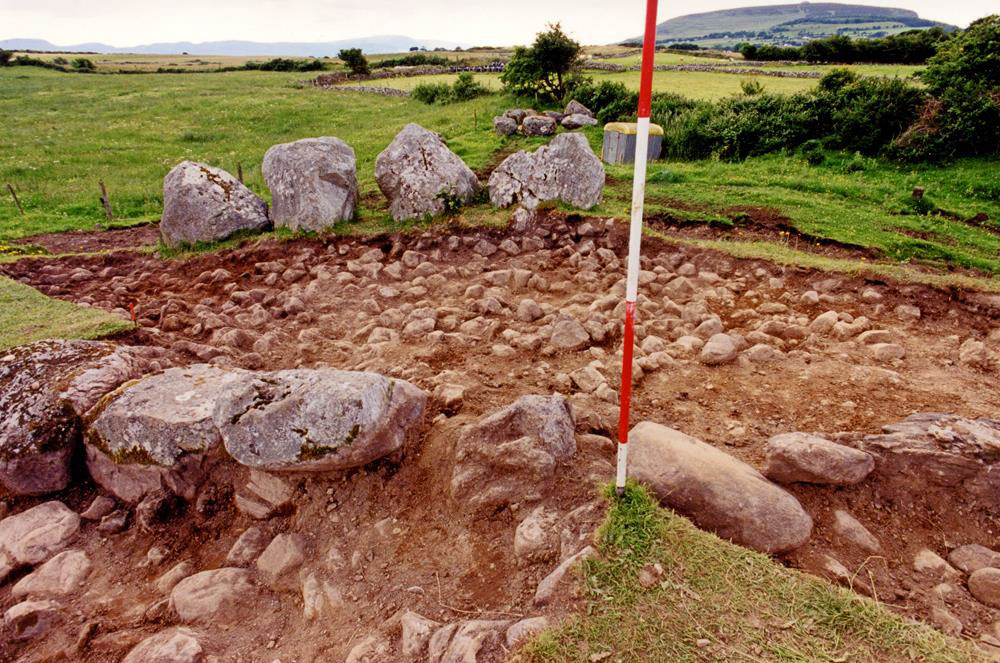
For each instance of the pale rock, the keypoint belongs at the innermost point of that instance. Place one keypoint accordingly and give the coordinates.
(850, 529)
(929, 562)
(35, 535)
(264, 496)
(174, 575)
(206, 204)
(175, 645)
(569, 335)
(887, 351)
(465, 642)
(720, 349)
(320, 598)
(546, 589)
(313, 183)
(972, 557)
(525, 629)
(31, 619)
(417, 632)
(720, 493)
(213, 596)
(824, 322)
(984, 585)
(974, 353)
(565, 169)
(284, 555)
(247, 547)
(809, 458)
(536, 537)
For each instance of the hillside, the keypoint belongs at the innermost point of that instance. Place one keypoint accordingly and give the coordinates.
(790, 24)
(377, 44)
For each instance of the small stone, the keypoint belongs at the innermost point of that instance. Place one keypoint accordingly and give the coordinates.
(871, 296)
(169, 580)
(247, 547)
(927, 561)
(848, 527)
(176, 645)
(547, 587)
(907, 312)
(536, 537)
(529, 311)
(31, 619)
(795, 457)
(568, 334)
(284, 554)
(114, 522)
(984, 585)
(100, 507)
(720, 349)
(972, 557)
(525, 629)
(973, 353)
(212, 596)
(416, 633)
(888, 351)
(63, 574)
(944, 620)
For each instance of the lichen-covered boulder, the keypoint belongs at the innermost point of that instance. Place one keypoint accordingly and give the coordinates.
(316, 420)
(538, 125)
(154, 434)
(206, 204)
(313, 183)
(504, 126)
(420, 175)
(45, 389)
(566, 169)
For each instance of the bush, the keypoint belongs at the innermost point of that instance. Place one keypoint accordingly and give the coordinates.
(464, 88)
(419, 60)
(5, 57)
(355, 61)
(60, 60)
(83, 64)
(751, 87)
(546, 69)
(285, 64)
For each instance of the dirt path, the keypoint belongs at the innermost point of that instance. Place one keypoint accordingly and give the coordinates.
(350, 304)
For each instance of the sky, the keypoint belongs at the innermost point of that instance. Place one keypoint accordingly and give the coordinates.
(133, 22)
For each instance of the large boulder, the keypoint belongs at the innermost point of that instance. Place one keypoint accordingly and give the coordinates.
(316, 420)
(942, 450)
(795, 457)
(313, 183)
(45, 389)
(35, 535)
(206, 204)
(420, 176)
(511, 455)
(538, 125)
(718, 492)
(566, 169)
(154, 434)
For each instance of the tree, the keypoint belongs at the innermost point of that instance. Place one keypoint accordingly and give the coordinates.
(355, 61)
(5, 57)
(546, 67)
(973, 57)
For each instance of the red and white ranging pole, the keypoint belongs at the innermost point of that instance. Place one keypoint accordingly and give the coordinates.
(635, 235)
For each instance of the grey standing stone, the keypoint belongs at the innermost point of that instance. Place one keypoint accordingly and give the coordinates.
(566, 169)
(206, 204)
(795, 457)
(313, 183)
(45, 389)
(316, 420)
(418, 173)
(718, 492)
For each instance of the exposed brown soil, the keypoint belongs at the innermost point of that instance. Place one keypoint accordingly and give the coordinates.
(94, 241)
(289, 304)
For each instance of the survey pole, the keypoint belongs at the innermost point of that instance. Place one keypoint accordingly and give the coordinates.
(635, 236)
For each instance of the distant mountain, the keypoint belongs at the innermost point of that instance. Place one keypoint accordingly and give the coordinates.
(379, 44)
(789, 24)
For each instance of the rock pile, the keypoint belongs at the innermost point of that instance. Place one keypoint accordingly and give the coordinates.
(532, 123)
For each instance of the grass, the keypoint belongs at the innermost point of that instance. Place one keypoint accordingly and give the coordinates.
(736, 604)
(27, 315)
(866, 207)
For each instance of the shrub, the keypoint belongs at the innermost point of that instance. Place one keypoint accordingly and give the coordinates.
(464, 88)
(546, 68)
(83, 64)
(751, 87)
(285, 64)
(5, 57)
(355, 61)
(60, 60)
(419, 60)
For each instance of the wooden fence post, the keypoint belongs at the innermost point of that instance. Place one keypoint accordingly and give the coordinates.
(239, 172)
(106, 202)
(16, 201)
